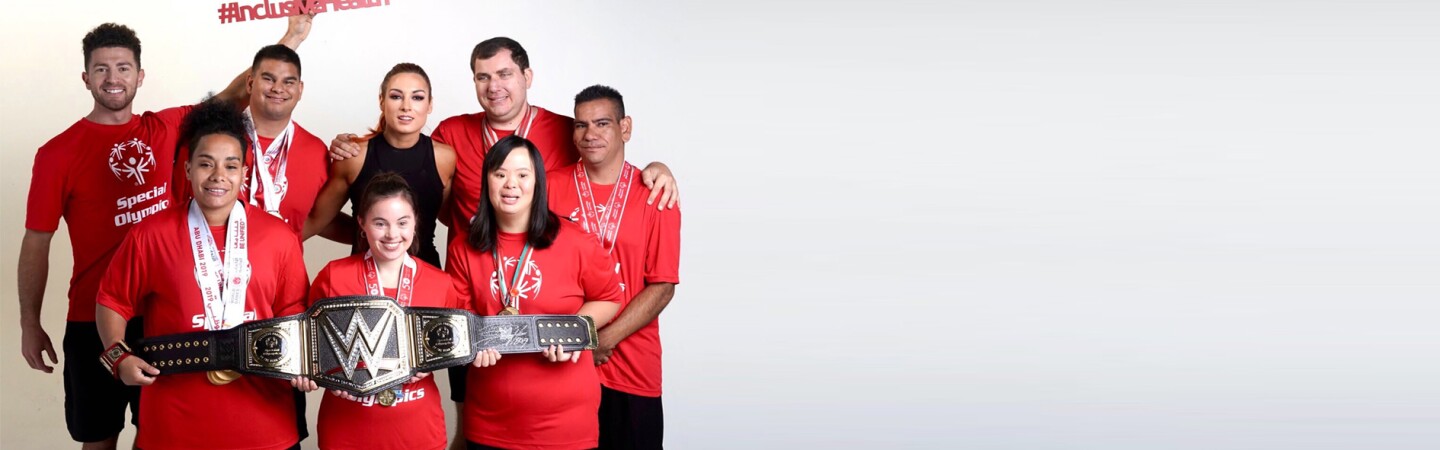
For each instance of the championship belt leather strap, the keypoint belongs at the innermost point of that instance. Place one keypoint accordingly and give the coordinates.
(363, 344)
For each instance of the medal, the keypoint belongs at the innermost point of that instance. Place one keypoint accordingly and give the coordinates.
(510, 299)
(221, 377)
(605, 225)
(222, 282)
(404, 289)
(386, 397)
(489, 136)
(268, 181)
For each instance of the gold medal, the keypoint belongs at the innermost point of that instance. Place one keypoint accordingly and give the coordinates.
(222, 377)
(386, 397)
(511, 299)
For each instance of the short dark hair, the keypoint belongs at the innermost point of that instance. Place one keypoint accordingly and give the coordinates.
(601, 92)
(213, 116)
(487, 49)
(279, 53)
(544, 224)
(387, 185)
(110, 35)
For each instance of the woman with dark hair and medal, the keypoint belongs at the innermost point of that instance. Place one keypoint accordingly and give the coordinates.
(520, 258)
(209, 265)
(411, 413)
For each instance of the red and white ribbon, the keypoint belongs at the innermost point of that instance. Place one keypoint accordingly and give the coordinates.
(222, 283)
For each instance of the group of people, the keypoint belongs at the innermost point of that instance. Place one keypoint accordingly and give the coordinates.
(191, 218)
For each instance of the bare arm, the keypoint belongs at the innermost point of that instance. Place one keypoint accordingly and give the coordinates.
(602, 312)
(34, 268)
(643, 309)
(295, 33)
(341, 229)
(332, 197)
(445, 165)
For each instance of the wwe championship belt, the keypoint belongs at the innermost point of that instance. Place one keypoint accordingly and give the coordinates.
(362, 345)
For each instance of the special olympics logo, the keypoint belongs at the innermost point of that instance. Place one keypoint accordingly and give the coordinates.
(131, 159)
(529, 286)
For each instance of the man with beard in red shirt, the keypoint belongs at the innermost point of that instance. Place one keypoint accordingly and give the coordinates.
(287, 165)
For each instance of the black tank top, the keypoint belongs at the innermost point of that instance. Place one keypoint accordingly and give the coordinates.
(417, 166)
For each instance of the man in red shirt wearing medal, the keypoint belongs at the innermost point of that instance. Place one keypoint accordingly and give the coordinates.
(104, 174)
(602, 194)
(287, 165)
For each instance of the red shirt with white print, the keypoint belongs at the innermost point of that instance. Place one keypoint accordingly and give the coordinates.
(525, 401)
(102, 179)
(646, 251)
(550, 132)
(153, 275)
(416, 421)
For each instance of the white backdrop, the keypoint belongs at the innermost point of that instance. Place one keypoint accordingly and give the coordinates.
(1001, 225)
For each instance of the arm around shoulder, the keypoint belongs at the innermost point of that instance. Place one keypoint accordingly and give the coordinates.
(332, 195)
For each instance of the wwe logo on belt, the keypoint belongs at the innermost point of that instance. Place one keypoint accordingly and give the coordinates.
(368, 349)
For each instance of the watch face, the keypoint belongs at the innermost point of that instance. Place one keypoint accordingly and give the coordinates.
(115, 353)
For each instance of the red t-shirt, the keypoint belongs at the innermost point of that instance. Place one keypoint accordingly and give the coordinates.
(153, 275)
(647, 250)
(307, 168)
(101, 179)
(525, 401)
(416, 421)
(550, 132)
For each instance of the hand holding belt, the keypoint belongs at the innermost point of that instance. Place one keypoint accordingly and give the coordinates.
(363, 344)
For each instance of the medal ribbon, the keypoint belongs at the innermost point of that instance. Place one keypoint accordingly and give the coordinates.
(606, 226)
(510, 293)
(405, 290)
(268, 172)
(222, 283)
(490, 137)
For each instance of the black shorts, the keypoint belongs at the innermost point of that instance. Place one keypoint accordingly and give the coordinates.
(629, 421)
(94, 400)
(457, 382)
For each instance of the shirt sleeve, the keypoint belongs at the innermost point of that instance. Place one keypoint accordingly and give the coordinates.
(457, 265)
(597, 273)
(442, 133)
(320, 288)
(294, 283)
(452, 299)
(172, 117)
(46, 201)
(124, 285)
(662, 252)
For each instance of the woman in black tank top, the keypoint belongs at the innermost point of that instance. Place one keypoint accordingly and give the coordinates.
(395, 145)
